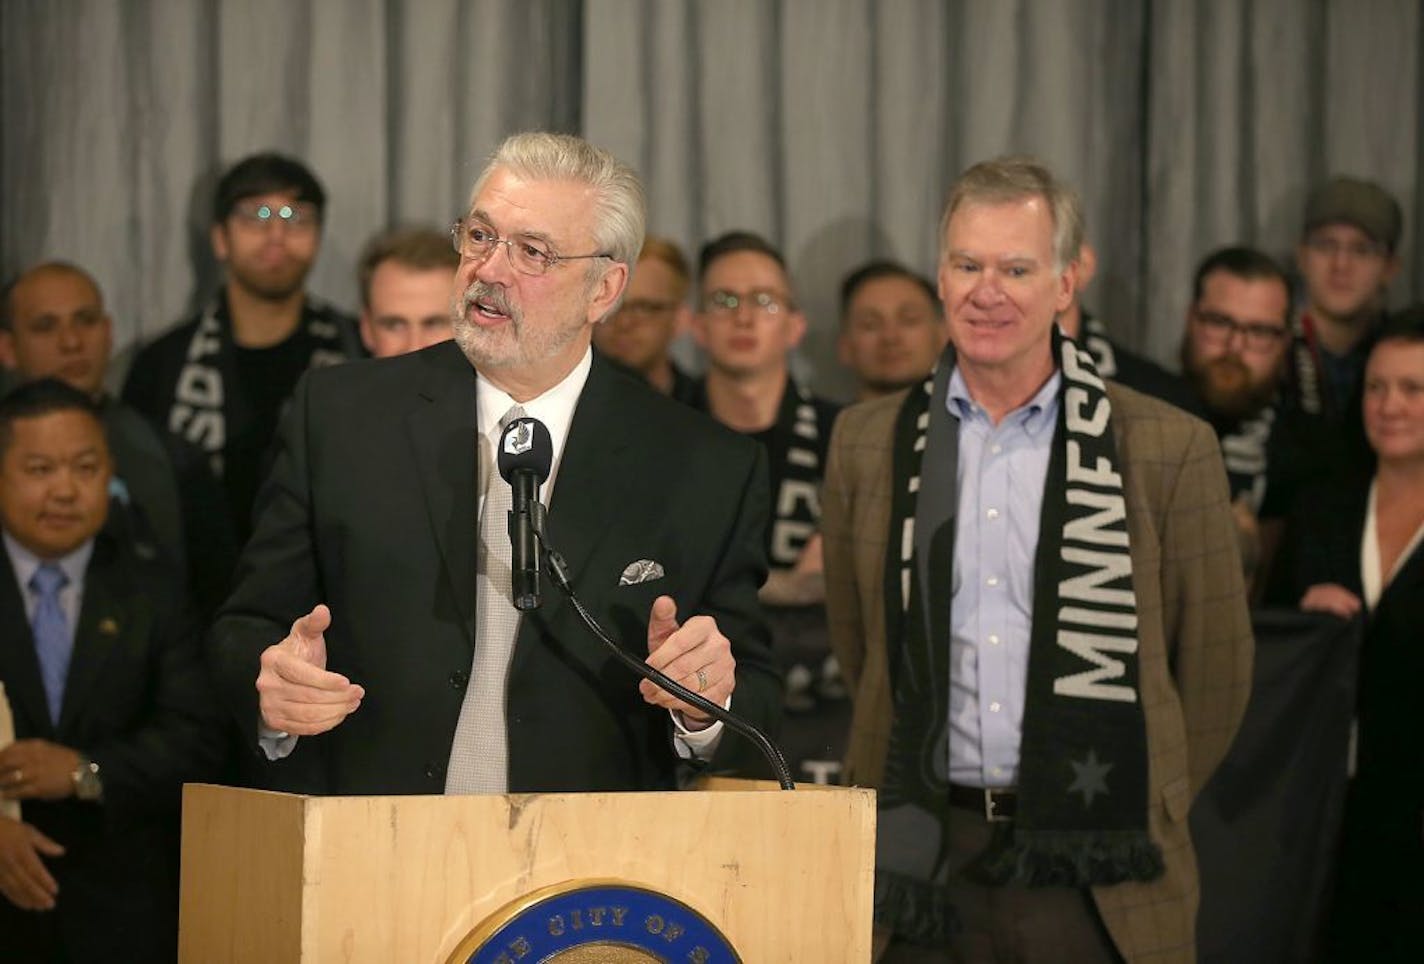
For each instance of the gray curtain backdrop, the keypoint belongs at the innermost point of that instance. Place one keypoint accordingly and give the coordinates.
(833, 126)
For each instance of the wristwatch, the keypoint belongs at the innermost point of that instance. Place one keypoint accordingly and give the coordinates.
(87, 785)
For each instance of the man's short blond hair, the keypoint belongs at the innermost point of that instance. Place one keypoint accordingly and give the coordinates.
(421, 249)
(657, 248)
(1004, 180)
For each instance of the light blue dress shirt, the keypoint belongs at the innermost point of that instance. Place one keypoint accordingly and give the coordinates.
(24, 563)
(1001, 479)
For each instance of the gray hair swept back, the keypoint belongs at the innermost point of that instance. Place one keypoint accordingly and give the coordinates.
(621, 208)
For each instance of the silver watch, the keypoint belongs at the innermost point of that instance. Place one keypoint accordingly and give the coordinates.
(87, 785)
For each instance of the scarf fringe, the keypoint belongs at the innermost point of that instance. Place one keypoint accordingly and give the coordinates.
(915, 910)
(1048, 858)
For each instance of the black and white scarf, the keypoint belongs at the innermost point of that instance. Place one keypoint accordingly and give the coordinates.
(200, 396)
(1082, 792)
(1095, 338)
(1245, 449)
(796, 511)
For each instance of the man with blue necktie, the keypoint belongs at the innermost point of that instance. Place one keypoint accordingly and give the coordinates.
(111, 706)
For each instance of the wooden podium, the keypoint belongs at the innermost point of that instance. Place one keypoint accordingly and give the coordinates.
(274, 877)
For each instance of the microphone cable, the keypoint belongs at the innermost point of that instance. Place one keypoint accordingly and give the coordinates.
(558, 571)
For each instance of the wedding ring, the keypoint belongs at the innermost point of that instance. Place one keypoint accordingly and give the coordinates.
(18, 778)
(701, 681)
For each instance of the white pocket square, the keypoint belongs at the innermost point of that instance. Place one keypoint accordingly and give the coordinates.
(644, 570)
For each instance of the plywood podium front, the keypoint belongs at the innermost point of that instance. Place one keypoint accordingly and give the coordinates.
(273, 877)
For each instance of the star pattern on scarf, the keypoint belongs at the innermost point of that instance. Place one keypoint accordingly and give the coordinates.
(1089, 778)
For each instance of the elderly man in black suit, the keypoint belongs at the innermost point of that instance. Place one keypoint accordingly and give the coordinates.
(372, 607)
(110, 702)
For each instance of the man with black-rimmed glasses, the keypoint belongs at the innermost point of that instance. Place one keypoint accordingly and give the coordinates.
(1234, 350)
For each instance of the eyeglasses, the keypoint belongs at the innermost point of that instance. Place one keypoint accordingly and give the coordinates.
(765, 302)
(260, 214)
(475, 240)
(643, 310)
(1256, 335)
(1354, 250)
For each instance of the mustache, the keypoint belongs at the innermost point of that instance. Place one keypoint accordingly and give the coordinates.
(490, 295)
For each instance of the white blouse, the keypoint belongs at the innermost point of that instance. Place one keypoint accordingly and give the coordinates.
(1370, 576)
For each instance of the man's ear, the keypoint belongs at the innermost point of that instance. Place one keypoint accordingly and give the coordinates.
(607, 290)
(795, 328)
(1391, 270)
(7, 349)
(366, 329)
(1067, 286)
(217, 237)
(681, 319)
(1087, 265)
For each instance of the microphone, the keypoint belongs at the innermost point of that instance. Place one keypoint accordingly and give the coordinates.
(526, 453)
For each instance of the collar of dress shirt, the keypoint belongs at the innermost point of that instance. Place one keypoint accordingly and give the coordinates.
(25, 562)
(1036, 416)
(555, 408)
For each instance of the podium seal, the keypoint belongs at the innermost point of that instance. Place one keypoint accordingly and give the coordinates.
(595, 922)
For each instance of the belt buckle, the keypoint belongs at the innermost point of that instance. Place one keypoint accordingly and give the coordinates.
(991, 808)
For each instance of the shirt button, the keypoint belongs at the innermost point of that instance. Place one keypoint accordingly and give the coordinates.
(992, 581)
(993, 639)
(996, 448)
(992, 513)
(997, 771)
(994, 707)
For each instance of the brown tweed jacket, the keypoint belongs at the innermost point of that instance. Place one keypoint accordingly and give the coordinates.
(1194, 637)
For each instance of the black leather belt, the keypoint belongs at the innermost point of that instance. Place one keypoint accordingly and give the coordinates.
(994, 805)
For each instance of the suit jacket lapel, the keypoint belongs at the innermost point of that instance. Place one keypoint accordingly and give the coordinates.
(442, 429)
(103, 619)
(584, 499)
(1406, 582)
(937, 506)
(585, 490)
(19, 666)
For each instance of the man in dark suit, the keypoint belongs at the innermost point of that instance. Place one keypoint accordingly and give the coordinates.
(109, 698)
(372, 606)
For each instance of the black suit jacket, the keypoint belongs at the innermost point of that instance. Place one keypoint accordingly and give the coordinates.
(137, 702)
(371, 508)
(1323, 545)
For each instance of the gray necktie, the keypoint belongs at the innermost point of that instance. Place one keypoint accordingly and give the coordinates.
(479, 757)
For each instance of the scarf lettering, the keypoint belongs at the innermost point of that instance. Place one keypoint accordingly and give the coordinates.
(1102, 577)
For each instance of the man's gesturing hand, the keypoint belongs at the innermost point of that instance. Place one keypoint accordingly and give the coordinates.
(696, 655)
(296, 693)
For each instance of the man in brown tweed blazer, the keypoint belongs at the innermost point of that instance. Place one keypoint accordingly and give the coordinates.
(1007, 242)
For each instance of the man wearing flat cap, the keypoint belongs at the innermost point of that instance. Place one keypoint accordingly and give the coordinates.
(1347, 258)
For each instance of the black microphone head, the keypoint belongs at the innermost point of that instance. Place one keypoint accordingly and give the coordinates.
(525, 444)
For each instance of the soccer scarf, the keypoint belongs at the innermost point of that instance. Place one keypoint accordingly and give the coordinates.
(1082, 807)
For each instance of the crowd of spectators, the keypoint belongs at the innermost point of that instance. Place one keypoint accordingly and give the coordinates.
(138, 503)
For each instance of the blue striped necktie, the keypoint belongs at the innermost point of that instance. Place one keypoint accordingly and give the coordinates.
(54, 644)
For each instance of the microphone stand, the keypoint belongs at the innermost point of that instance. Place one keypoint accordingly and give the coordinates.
(558, 571)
